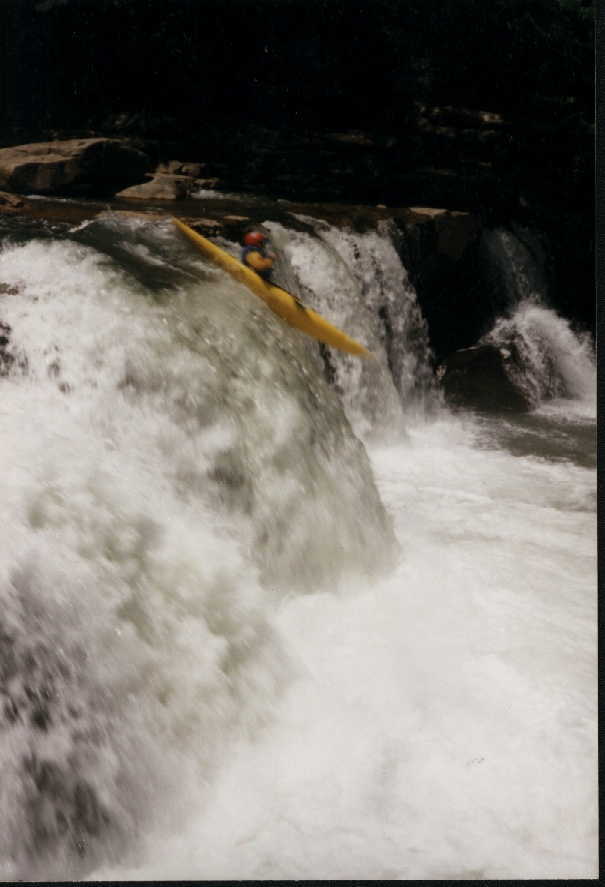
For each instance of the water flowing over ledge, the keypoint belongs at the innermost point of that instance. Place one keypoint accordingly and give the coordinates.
(273, 612)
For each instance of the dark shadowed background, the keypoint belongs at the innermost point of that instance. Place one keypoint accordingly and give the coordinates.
(462, 103)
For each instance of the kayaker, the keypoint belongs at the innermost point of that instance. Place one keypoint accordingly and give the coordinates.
(257, 256)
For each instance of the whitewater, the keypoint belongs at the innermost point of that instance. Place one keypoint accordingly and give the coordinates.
(271, 612)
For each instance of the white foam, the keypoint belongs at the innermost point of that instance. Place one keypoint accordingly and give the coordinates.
(443, 722)
(358, 282)
(553, 356)
(438, 722)
(210, 194)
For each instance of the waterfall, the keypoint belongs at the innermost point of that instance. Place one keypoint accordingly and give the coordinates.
(550, 359)
(359, 280)
(270, 611)
(175, 461)
(519, 265)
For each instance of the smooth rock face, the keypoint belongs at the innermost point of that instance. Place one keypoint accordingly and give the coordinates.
(477, 377)
(161, 187)
(454, 230)
(71, 166)
(441, 250)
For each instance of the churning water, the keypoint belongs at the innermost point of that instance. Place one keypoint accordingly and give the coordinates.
(275, 613)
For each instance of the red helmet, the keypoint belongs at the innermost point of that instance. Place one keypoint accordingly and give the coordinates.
(254, 238)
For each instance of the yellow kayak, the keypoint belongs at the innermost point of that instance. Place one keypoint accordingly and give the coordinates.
(278, 300)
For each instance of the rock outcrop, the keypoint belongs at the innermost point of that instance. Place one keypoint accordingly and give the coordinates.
(479, 378)
(442, 251)
(10, 202)
(449, 232)
(95, 166)
(161, 187)
(171, 180)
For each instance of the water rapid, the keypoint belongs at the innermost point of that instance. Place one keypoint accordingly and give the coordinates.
(270, 612)
(553, 363)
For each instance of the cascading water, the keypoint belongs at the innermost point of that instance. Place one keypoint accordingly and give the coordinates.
(155, 462)
(518, 265)
(237, 642)
(550, 360)
(360, 282)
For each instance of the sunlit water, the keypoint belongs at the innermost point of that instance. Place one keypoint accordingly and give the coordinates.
(260, 626)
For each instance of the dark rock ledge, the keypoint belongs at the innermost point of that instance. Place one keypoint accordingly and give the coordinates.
(440, 247)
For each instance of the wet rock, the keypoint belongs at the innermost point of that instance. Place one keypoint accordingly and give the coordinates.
(454, 231)
(162, 187)
(480, 378)
(10, 202)
(190, 169)
(80, 166)
(441, 250)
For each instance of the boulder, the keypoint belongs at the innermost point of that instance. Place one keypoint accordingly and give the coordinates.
(10, 202)
(440, 250)
(454, 230)
(161, 187)
(80, 166)
(479, 378)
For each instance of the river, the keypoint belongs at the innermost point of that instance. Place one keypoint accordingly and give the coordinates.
(270, 618)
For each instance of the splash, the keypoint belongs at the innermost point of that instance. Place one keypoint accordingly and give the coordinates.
(166, 485)
(359, 282)
(239, 643)
(551, 361)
